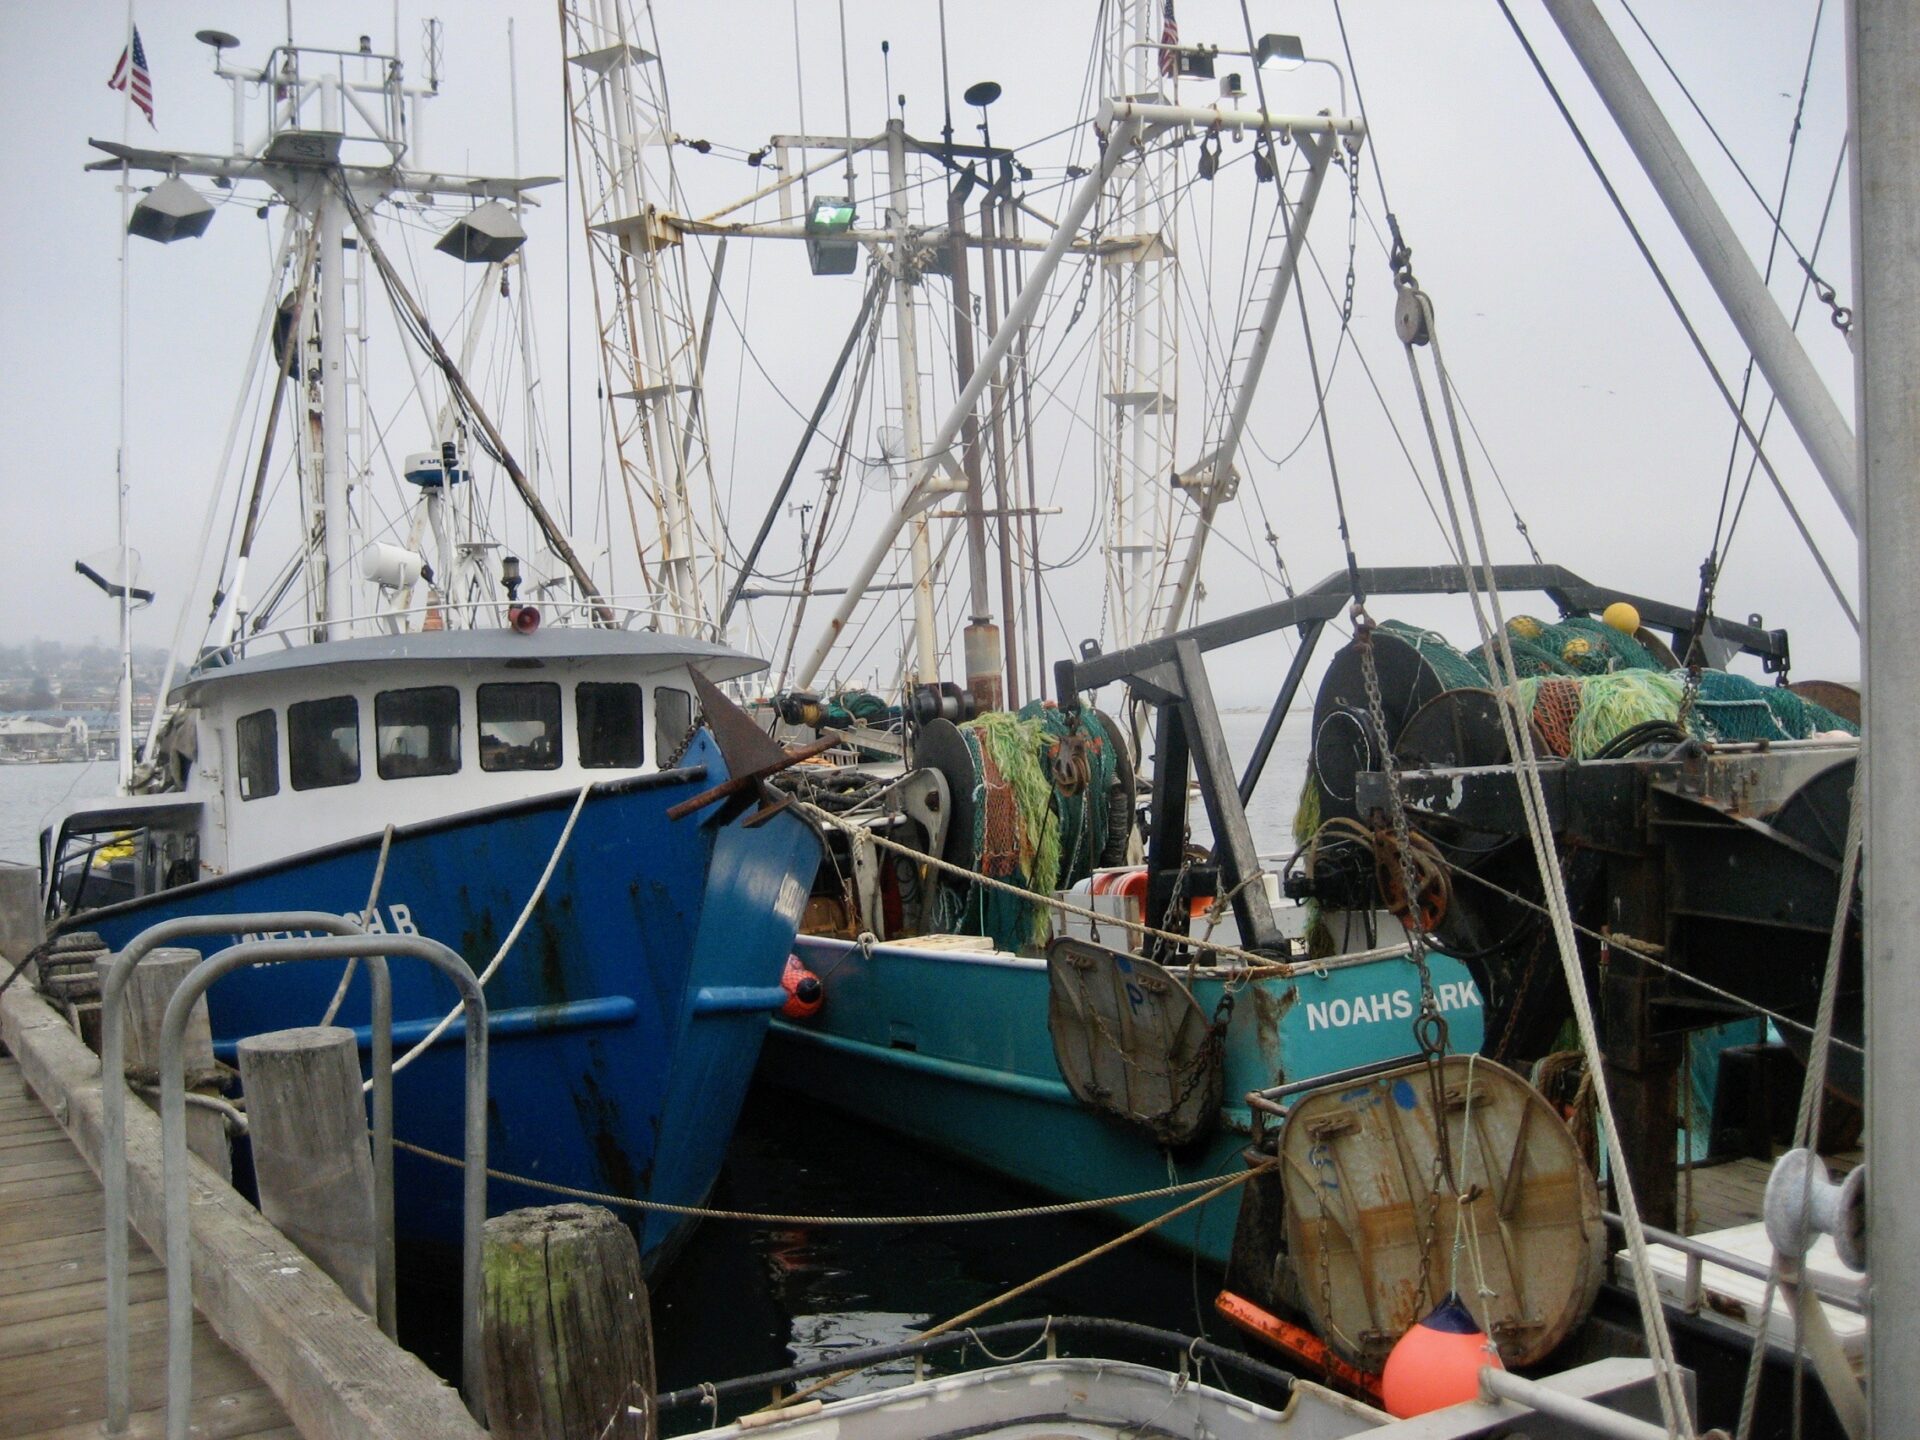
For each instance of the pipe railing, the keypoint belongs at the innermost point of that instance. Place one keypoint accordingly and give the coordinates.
(113, 1097)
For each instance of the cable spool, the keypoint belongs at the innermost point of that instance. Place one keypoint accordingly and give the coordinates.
(1344, 743)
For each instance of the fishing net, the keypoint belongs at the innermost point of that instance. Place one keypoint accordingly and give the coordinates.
(1552, 706)
(1041, 792)
(1732, 707)
(1529, 658)
(1456, 671)
(1611, 705)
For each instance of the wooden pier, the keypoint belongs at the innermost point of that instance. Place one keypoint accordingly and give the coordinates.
(53, 1320)
(278, 1349)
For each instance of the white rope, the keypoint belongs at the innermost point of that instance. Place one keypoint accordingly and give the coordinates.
(1806, 1124)
(1533, 803)
(366, 919)
(493, 965)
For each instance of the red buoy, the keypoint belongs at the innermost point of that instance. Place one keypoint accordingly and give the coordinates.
(805, 993)
(1437, 1362)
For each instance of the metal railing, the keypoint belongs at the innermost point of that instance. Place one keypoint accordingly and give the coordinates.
(476, 615)
(341, 939)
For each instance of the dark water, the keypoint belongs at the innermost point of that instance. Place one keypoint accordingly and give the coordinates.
(743, 1299)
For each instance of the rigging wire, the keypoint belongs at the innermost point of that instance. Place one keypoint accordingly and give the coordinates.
(1773, 401)
(1775, 213)
(1679, 310)
(1710, 567)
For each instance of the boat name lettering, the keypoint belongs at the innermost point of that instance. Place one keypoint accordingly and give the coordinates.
(1387, 1005)
(397, 919)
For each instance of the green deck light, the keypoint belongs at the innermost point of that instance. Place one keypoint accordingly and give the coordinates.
(829, 252)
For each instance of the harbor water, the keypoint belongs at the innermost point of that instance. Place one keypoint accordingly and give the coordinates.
(746, 1298)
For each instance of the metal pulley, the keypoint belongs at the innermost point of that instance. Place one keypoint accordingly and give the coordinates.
(1410, 317)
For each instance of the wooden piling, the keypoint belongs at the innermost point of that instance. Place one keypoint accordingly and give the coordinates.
(149, 988)
(311, 1160)
(568, 1336)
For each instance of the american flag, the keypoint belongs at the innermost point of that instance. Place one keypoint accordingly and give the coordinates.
(131, 75)
(1169, 37)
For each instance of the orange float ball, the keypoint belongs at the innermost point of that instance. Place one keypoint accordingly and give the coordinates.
(805, 993)
(1437, 1362)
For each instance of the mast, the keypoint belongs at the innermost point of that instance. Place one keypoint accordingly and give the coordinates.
(124, 697)
(1140, 354)
(649, 343)
(335, 614)
(1883, 55)
(925, 644)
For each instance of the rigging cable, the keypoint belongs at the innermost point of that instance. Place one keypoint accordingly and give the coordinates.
(1679, 311)
(1520, 744)
(1710, 567)
(1806, 285)
(1300, 303)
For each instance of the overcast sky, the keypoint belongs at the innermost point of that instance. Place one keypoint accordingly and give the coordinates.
(1603, 424)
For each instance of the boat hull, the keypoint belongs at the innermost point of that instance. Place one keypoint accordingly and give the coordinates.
(953, 1049)
(625, 1022)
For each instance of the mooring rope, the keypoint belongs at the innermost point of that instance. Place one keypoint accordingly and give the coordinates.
(758, 1217)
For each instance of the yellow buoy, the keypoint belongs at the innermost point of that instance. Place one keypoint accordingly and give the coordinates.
(1524, 627)
(1622, 617)
(1576, 649)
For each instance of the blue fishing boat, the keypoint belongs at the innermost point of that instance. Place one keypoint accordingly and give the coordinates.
(416, 728)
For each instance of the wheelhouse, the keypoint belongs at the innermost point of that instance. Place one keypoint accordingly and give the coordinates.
(279, 754)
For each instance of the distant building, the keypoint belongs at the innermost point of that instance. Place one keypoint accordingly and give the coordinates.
(21, 737)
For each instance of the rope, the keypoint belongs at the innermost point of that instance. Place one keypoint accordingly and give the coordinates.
(757, 1217)
(366, 919)
(966, 1317)
(1806, 1124)
(1534, 805)
(526, 914)
(1257, 966)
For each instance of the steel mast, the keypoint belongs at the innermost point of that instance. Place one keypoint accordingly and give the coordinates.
(649, 341)
(1139, 332)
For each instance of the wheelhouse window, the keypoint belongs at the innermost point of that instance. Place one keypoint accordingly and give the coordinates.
(672, 719)
(609, 721)
(323, 742)
(520, 726)
(417, 732)
(257, 738)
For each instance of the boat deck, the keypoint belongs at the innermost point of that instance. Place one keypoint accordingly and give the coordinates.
(1730, 1192)
(53, 1303)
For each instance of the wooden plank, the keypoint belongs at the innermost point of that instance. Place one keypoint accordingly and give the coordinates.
(327, 1362)
(69, 1393)
(71, 1216)
(230, 1415)
(21, 1277)
(63, 1296)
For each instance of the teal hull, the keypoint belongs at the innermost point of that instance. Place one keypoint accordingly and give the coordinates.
(952, 1049)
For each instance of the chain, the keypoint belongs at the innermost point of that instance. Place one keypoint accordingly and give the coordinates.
(1429, 1026)
(1326, 1295)
(1690, 692)
(1086, 284)
(1423, 1286)
(1352, 168)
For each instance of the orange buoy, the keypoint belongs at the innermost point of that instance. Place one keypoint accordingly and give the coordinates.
(1437, 1362)
(805, 993)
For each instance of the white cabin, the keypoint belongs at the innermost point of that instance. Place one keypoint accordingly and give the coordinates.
(285, 752)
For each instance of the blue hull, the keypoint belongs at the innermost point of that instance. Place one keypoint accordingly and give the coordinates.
(626, 1021)
(953, 1050)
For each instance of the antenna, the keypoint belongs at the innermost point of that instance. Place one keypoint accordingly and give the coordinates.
(946, 80)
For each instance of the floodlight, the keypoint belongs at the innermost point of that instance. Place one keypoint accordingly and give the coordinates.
(172, 210)
(484, 235)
